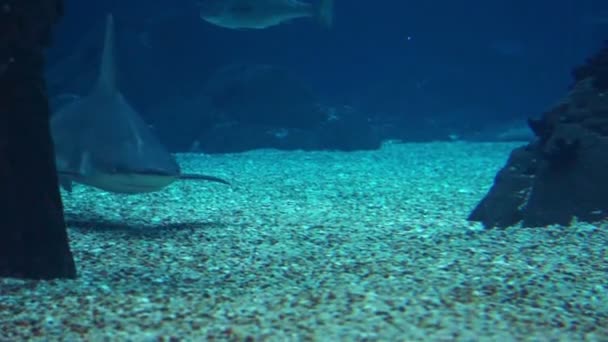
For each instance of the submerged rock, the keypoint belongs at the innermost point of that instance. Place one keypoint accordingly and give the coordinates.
(563, 174)
(263, 95)
(263, 106)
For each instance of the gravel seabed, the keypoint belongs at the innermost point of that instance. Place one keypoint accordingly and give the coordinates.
(327, 246)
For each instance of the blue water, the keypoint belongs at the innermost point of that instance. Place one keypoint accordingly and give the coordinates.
(418, 71)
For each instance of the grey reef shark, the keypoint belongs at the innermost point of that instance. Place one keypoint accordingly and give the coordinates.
(101, 141)
(262, 14)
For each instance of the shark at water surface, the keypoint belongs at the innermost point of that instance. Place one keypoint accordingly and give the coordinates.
(101, 141)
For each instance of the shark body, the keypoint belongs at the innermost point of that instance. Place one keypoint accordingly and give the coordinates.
(101, 141)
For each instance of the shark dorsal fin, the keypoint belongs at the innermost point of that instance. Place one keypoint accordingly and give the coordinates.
(106, 81)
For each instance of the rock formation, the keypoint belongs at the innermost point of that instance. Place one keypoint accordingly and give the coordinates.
(563, 174)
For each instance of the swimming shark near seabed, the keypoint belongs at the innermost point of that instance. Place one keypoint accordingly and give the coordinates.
(261, 14)
(101, 141)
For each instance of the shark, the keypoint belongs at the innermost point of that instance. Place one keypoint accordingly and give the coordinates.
(262, 14)
(101, 141)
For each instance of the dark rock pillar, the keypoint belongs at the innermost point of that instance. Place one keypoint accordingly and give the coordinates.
(33, 237)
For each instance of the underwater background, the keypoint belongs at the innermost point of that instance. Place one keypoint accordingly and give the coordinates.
(414, 71)
(355, 155)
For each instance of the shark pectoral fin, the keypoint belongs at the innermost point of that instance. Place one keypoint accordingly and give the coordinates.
(65, 183)
(66, 179)
(203, 178)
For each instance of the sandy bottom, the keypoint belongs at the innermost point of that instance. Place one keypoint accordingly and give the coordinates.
(321, 246)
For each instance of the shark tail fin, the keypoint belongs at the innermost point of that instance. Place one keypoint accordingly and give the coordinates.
(107, 73)
(325, 13)
(203, 178)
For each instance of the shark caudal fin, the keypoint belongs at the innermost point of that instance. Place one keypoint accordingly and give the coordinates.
(325, 13)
